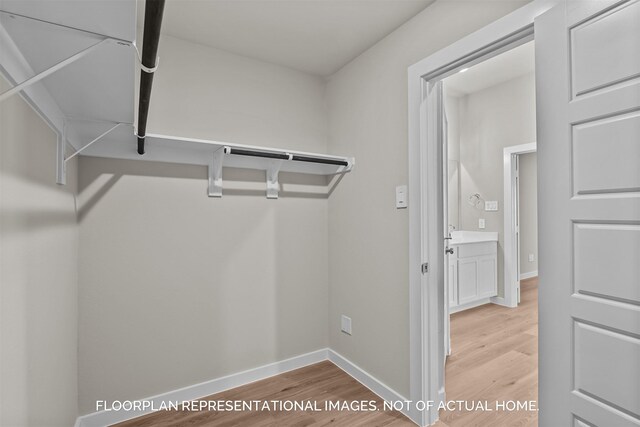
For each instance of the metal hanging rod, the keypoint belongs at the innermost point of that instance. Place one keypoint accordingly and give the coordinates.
(285, 156)
(152, 22)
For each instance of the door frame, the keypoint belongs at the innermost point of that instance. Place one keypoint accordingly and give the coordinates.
(426, 255)
(511, 260)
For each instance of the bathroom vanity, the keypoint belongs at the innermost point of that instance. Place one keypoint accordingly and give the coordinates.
(473, 269)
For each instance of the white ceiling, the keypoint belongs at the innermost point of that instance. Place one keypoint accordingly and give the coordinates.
(314, 36)
(506, 66)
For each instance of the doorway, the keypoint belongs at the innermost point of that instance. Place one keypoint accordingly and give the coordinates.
(491, 342)
(427, 227)
(520, 218)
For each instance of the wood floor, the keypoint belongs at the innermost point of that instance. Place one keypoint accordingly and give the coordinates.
(494, 358)
(319, 383)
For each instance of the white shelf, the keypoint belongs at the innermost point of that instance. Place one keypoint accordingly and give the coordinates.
(121, 144)
(88, 98)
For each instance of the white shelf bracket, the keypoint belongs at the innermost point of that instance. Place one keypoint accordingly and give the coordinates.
(34, 79)
(215, 172)
(61, 164)
(273, 186)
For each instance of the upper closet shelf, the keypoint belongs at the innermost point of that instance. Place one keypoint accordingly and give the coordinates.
(75, 64)
(121, 144)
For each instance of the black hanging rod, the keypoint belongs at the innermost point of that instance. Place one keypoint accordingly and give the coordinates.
(285, 156)
(153, 11)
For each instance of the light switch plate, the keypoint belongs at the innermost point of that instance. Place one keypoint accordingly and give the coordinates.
(491, 205)
(401, 197)
(481, 223)
(345, 324)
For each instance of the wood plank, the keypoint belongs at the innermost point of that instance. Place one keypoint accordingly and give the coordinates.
(321, 382)
(494, 358)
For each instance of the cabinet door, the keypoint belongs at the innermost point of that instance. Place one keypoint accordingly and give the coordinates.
(487, 280)
(467, 280)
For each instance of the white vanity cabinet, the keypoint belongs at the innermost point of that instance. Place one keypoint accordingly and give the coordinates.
(473, 269)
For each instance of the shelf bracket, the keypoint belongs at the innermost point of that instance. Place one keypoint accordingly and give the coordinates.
(61, 164)
(273, 186)
(215, 172)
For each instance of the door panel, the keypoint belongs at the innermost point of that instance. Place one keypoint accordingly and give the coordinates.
(600, 49)
(467, 280)
(607, 379)
(595, 261)
(487, 270)
(606, 155)
(588, 101)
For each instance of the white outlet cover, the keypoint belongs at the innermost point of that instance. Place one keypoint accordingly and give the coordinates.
(345, 324)
(531, 258)
(481, 223)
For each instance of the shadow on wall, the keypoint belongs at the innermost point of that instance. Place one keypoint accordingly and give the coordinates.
(177, 288)
(236, 182)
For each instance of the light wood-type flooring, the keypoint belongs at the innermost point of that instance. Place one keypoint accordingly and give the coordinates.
(494, 358)
(321, 382)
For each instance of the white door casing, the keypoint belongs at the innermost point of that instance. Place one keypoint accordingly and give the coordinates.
(435, 143)
(512, 222)
(588, 112)
(425, 295)
(445, 216)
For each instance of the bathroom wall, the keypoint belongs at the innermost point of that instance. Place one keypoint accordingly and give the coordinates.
(490, 120)
(453, 153)
(528, 213)
(38, 274)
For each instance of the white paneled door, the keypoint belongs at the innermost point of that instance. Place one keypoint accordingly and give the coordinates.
(588, 83)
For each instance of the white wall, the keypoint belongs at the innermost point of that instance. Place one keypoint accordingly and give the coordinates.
(368, 237)
(38, 274)
(528, 213)
(179, 288)
(453, 153)
(491, 119)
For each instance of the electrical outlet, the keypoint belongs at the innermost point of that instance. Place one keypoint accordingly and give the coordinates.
(481, 223)
(532, 258)
(345, 324)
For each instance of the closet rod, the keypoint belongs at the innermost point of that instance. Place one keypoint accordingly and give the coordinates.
(285, 156)
(153, 11)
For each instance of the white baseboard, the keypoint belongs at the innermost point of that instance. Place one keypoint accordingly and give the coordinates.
(197, 391)
(529, 275)
(499, 301)
(369, 381)
(469, 305)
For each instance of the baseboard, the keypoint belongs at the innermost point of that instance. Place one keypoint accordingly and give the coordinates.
(369, 381)
(529, 275)
(197, 391)
(500, 301)
(469, 305)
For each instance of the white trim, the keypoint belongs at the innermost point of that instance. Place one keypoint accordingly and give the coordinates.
(499, 301)
(472, 304)
(511, 261)
(369, 381)
(529, 275)
(196, 391)
(424, 335)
